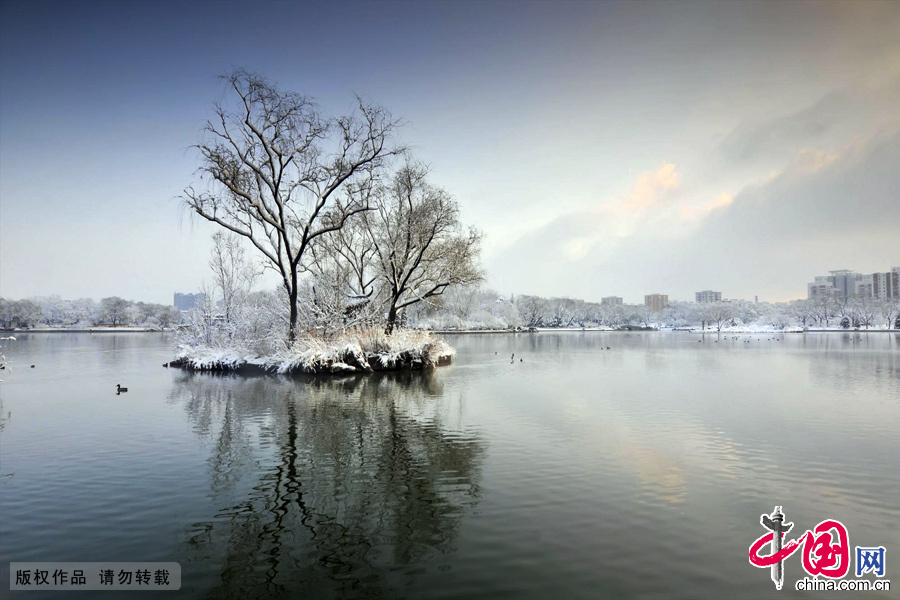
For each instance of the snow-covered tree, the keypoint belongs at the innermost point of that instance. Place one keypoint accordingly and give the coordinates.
(532, 310)
(281, 174)
(421, 246)
(84, 311)
(890, 310)
(864, 310)
(26, 313)
(824, 308)
(233, 274)
(719, 313)
(53, 309)
(802, 311)
(114, 310)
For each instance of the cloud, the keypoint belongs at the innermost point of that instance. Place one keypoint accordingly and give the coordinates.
(694, 211)
(821, 211)
(774, 203)
(838, 118)
(617, 219)
(653, 201)
(651, 188)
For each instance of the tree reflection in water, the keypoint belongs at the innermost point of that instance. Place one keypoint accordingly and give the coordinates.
(328, 487)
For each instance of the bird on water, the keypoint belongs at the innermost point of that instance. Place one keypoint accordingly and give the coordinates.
(120, 389)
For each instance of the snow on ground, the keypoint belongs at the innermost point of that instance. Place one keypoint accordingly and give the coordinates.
(355, 351)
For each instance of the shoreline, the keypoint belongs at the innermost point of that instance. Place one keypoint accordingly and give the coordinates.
(692, 331)
(492, 331)
(368, 365)
(89, 330)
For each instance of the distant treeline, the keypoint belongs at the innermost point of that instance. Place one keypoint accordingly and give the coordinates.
(53, 311)
(478, 308)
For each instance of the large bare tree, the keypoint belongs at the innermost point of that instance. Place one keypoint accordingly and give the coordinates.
(420, 246)
(280, 173)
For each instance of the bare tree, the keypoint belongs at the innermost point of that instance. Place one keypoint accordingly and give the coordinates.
(863, 310)
(281, 174)
(719, 313)
(890, 310)
(20, 313)
(531, 309)
(803, 311)
(168, 315)
(421, 248)
(233, 275)
(328, 304)
(461, 300)
(563, 312)
(824, 307)
(343, 289)
(202, 318)
(642, 315)
(844, 311)
(114, 309)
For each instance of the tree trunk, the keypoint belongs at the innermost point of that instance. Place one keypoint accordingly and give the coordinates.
(292, 326)
(391, 319)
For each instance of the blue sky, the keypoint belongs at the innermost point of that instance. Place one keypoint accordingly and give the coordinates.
(603, 148)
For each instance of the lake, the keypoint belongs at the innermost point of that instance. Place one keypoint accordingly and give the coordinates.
(593, 465)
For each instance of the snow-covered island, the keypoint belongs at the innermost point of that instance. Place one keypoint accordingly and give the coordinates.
(346, 219)
(357, 351)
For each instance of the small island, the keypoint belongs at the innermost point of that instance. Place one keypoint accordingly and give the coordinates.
(360, 351)
(343, 215)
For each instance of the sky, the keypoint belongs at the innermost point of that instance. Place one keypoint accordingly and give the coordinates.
(602, 148)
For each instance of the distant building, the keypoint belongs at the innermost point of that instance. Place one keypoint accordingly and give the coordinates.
(187, 301)
(822, 286)
(886, 286)
(864, 286)
(848, 284)
(845, 281)
(707, 296)
(611, 301)
(656, 302)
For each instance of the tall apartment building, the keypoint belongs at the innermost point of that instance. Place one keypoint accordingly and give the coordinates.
(864, 286)
(886, 285)
(845, 280)
(848, 283)
(707, 296)
(822, 286)
(186, 301)
(839, 283)
(611, 301)
(656, 302)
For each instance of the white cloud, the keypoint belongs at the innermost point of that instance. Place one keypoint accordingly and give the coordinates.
(820, 211)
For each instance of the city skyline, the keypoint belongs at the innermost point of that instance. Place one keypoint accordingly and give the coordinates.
(699, 297)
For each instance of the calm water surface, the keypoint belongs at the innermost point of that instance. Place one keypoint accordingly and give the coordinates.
(634, 471)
